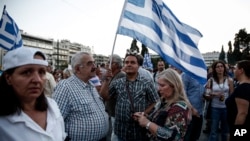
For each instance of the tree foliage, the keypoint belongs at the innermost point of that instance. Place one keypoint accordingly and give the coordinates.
(241, 47)
(222, 54)
(230, 58)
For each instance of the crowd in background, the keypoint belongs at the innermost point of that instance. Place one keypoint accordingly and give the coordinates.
(119, 100)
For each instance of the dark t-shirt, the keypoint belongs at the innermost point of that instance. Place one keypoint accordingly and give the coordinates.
(242, 91)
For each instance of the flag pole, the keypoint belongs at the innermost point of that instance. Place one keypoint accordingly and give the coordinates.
(3, 9)
(110, 60)
(1, 50)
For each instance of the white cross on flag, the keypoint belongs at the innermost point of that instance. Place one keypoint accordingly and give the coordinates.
(10, 36)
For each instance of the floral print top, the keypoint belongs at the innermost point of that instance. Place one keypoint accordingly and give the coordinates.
(172, 121)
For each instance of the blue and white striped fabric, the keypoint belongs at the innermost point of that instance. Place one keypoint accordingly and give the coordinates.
(147, 64)
(10, 36)
(154, 25)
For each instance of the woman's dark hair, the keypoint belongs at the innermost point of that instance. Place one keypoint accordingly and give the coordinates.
(214, 73)
(245, 65)
(10, 103)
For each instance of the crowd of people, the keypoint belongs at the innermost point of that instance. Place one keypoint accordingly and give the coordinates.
(119, 100)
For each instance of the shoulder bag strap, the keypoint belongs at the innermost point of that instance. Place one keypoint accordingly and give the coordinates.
(130, 97)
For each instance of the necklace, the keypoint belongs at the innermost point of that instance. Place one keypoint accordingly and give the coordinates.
(222, 97)
(222, 88)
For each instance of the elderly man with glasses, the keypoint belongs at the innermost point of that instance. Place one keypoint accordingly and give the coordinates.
(81, 106)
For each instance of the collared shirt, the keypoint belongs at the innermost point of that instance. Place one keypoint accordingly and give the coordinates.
(194, 91)
(110, 104)
(50, 84)
(20, 127)
(155, 78)
(142, 93)
(145, 73)
(82, 109)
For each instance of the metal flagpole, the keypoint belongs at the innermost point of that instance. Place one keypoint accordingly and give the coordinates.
(1, 50)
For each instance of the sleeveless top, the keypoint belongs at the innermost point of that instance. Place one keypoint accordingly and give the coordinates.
(217, 102)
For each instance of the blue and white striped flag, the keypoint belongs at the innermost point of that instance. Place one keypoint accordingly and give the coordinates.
(10, 36)
(147, 64)
(154, 25)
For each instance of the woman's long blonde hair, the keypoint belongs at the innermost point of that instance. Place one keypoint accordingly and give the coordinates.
(174, 79)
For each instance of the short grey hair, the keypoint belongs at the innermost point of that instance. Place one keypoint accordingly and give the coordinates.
(116, 58)
(77, 59)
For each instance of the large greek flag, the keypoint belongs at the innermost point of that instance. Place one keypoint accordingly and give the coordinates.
(10, 36)
(154, 25)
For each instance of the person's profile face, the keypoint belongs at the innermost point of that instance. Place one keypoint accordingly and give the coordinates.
(165, 89)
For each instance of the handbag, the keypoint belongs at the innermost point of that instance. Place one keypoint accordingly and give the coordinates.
(209, 88)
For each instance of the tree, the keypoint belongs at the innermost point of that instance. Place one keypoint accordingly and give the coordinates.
(242, 37)
(236, 52)
(230, 58)
(238, 41)
(241, 47)
(134, 46)
(245, 54)
(222, 54)
(144, 50)
(244, 43)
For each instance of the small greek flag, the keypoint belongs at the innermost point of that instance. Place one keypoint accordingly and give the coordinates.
(147, 64)
(10, 36)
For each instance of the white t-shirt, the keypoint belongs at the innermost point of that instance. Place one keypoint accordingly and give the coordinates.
(50, 84)
(20, 127)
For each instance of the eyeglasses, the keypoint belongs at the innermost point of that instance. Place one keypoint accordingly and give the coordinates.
(131, 52)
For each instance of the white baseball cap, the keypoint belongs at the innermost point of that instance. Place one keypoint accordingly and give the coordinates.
(22, 56)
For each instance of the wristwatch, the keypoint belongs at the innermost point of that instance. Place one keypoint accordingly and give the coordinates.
(148, 124)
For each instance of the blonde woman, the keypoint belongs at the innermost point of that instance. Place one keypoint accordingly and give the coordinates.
(171, 114)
